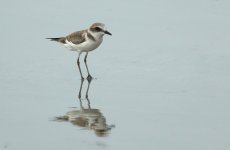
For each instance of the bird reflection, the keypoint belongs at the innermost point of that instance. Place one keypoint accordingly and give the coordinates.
(87, 117)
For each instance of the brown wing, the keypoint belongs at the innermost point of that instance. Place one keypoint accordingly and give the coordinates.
(76, 37)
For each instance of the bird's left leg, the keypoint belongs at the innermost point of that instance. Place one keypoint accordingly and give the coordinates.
(89, 77)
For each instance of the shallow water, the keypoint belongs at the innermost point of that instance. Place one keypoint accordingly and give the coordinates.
(162, 79)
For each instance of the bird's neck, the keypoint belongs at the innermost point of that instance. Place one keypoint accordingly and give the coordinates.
(94, 35)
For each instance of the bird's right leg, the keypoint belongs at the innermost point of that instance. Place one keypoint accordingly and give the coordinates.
(78, 64)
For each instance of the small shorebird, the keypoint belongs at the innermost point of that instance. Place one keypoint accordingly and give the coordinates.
(84, 41)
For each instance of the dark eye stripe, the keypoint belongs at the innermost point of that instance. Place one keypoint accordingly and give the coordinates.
(98, 29)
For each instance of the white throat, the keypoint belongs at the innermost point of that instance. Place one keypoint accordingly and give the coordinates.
(96, 35)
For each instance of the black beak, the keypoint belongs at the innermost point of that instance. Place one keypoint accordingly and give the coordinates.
(107, 32)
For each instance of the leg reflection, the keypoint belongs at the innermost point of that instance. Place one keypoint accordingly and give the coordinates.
(86, 93)
(90, 118)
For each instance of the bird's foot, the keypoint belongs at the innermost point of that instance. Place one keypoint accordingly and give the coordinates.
(89, 77)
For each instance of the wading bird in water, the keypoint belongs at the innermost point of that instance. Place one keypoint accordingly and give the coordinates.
(84, 41)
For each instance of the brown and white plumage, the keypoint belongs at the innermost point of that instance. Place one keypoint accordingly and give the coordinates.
(84, 40)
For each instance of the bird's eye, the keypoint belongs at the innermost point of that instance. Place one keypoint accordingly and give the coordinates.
(97, 29)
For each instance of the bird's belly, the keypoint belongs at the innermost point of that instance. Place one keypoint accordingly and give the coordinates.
(86, 46)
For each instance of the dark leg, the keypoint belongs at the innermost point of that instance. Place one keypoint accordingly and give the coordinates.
(78, 64)
(89, 77)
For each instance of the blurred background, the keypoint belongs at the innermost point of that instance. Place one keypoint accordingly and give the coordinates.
(162, 80)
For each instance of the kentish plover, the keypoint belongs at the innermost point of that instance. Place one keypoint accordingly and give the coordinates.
(84, 41)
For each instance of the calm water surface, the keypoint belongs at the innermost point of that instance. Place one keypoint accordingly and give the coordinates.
(162, 79)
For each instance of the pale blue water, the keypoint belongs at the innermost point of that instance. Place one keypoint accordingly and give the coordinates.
(162, 78)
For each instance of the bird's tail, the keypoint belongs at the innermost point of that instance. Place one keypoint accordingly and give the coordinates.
(60, 39)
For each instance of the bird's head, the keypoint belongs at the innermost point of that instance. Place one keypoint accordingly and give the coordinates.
(99, 30)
